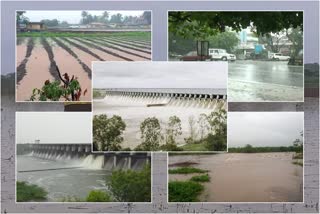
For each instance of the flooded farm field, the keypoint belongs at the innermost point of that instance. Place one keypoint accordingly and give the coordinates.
(37, 57)
(245, 177)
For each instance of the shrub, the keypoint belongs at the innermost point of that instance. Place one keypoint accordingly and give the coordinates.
(98, 196)
(30, 192)
(217, 142)
(186, 170)
(184, 191)
(70, 90)
(131, 186)
(201, 178)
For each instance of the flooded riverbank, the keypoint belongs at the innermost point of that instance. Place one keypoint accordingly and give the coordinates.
(246, 177)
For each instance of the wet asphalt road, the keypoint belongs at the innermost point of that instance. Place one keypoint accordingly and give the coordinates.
(273, 72)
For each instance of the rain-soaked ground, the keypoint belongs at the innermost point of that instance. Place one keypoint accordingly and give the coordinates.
(244, 177)
(264, 81)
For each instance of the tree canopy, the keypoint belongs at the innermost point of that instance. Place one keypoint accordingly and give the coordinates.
(198, 24)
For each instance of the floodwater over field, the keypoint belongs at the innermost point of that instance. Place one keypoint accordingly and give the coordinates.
(247, 177)
(264, 81)
(36, 56)
(63, 183)
(134, 111)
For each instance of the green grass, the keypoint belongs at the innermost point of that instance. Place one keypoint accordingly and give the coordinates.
(184, 191)
(194, 147)
(30, 192)
(132, 35)
(186, 170)
(201, 178)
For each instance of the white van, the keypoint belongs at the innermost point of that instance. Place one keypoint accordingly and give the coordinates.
(278, 56)
(221, 54)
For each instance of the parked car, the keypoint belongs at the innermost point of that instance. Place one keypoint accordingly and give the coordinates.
(193, 56)
(278, 57)
(221, 54)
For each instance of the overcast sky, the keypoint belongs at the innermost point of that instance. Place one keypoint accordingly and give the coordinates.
(72, 16)
(264, 128)
(160, 75)
(53, 127)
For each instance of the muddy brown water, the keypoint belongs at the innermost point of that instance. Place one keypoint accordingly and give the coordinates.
(243, 177)
(37, 73)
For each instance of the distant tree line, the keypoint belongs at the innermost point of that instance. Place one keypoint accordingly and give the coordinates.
(118, 18)
(297, 146)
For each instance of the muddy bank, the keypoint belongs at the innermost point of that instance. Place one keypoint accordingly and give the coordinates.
(244, 177)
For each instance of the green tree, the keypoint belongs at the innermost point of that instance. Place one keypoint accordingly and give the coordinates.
(194, 24)
(130, 185)
(147, 16)
(295, 35)
(173, 130)
(192, 129)
(84, 15)
(116, 18)
(298, 143)
(217, 120)
(107, 132)
(20, 18)
(217, 139)
(150, 134)
(225, 40)
(104, 17)
(203, 125)
(50, 22)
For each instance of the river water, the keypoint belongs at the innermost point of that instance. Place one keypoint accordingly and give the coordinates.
(59, 184)
(244, 177)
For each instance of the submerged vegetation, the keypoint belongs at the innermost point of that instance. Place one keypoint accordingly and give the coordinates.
(208, 133)
(200, 178)
(189, 190)
(184, 191)
(30, 192)
(186, 170)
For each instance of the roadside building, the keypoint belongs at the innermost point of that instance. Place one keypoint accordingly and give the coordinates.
(35, 26)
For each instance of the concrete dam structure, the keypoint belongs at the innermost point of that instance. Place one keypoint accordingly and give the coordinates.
(184, 97)
(82, 153)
